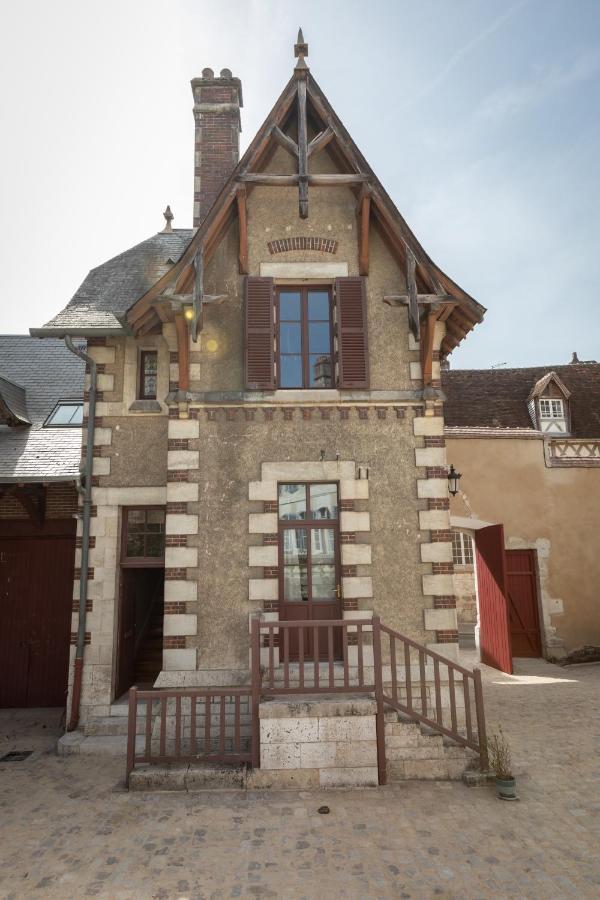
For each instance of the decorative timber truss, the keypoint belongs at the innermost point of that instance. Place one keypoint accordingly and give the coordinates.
(304, 123)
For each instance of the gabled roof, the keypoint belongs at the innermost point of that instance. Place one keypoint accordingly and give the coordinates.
(13, 403)
(101, 302)
(46, 372)
(497, 398)
(540, 386)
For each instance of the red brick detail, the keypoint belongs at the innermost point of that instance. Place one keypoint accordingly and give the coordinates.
(400, 412)
(176, 540)
(249, 414)
(438, 408)
(100, 368)
(173, 412)
(174, 608)
(350, 603)
(178, 475)
(95, 481)
(91, 544)
(178, 444)
(270, 506)
(231, 414)
(438, 503)
(268, 414)
(348, 537)
(381, 412)
(348, 571)
(270, 539)
(325, 412)
(194, 414)
(99, 396)
(271, 605)
(436, 356)
(444, 602)
(89, 605)
(174, 357)
(347, 505)
(434, 441)
(446, 637)
(211, 415)
(439, 536)
(418, 412)
(270, 572)
(93, 511)
(442, 568)
(284, 245)
(363, 412)
(176, 508)
(344, 412)
(307, 413)
(88, 636)
(173, 386)
(288, 414)
(175, 574)
(174, 643)
(77, 573)
(436, 472)
(96, 342)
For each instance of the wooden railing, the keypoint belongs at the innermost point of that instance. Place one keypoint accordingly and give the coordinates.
(194, 725)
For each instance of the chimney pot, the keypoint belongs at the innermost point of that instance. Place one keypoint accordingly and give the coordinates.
(208, 73)
(226, 73)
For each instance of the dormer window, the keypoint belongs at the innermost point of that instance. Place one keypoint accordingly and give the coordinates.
(66, 414)
(549, 405)
(551, 409)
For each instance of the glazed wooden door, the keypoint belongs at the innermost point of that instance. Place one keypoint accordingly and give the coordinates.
(494, 632)
(523, 603)
(309, 571)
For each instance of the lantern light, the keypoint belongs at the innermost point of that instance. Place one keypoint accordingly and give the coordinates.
(453, 479)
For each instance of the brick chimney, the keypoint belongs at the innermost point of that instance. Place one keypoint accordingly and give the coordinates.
(217, 103)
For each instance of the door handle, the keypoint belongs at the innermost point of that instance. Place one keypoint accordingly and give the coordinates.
(338, 592)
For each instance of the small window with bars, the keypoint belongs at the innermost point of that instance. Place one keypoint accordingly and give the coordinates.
(462, 549)
(551, 409)
(148, 375)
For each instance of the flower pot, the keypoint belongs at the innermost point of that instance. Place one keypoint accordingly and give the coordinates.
(507, 788)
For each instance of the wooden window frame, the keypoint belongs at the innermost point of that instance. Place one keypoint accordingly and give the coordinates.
(309, 524)
(138, 562)
(465, 540)
(141, 395)
(550, 401)
(303, 290)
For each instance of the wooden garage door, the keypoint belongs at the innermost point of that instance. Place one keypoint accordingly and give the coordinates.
(522, 603)
(36, 590)
(494, 633)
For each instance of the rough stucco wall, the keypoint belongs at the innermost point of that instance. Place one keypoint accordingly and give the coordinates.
(138, 452)
(231, 454)
(557, 507)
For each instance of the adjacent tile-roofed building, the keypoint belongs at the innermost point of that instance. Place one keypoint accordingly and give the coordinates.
(110, 289)
(497, 398)
(43, 372)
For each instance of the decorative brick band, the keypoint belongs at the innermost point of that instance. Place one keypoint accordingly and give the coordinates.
(446, 637)
(284, 245)
(178, 444)
(174, 357)
(176, 540)
(442, 568)
(270, 572)
(444, 602)
(96, 342)
(178, 475)
(346, 505)
(89, 605)
(176, 508)
(288, 413)
(174, 642)
(348, 537)
(175, 607)
(349, 603)
(77, 574)
(349, 571)
(271, 605)
(91, 544)
(439, 536)
(270, 539)
(436, 472)
(270, 506)
(88, 637)
(434, 441)
(438, 503)
(175, 574)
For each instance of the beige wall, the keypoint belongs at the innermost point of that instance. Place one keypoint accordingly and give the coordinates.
(553, 510)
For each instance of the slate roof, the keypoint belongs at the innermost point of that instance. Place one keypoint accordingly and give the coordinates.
(497, 398)
(48, 372)
(13, 402)
(111, 288)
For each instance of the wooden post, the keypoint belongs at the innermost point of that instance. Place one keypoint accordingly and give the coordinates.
(427, 339)
(411, 284)
(480, 713)
(363, 234)
(198, 295)
(131, 733)
(183, 351)
(379, 718)
(255, 651)
(302, 150)
(243, 229)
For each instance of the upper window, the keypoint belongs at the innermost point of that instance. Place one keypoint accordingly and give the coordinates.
(143, 534)
(148, 375)
(304, 338)
(462, 549)
(551, 409)
(66, 414)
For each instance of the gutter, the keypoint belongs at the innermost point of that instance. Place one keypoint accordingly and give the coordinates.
(57, 332)
(86, 490)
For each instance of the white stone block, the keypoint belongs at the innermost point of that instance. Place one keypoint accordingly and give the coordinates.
(182, 459)
(354, 489)
(102, 354)
(438, 552)
(428, 426)
(355, 521)
(430, 456)
(263, 588)
(432, 487)
(181, 557)
(182, 491)
(105, 382)
(356, 554)
(308, 471)
(184, 429)
(101, 465)
(181, 591)
(133, 496)
(356, 753)
(267, 555)
(289, 730)
(434, 520)
(316, 269)
(102, 437)
(416, 373)
(412, 343)
(179, 523)
(347, 728)
(279, 756)
(321, 754)
(262, 523)
(181, 660)
(357, 586)
(440, 619)
(262, 490)
(361, 776)
(438, 585)
(174, 625)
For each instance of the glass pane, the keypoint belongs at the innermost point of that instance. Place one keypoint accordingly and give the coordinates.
(135, 545)
(323, 501)
(294, 546)
(323, 583)
(322, 546)
(291, 371)
(320, 371)
(77, 417)
(292, 501)
(295, 583)
(155, 516)
(289, 306)
(319, 339)
(318, 305)
(67, 414)
(154, 545)
(136, 520)
(290, 340)
(150, 360)
(149, 386)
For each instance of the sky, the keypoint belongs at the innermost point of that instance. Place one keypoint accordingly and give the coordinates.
(481, 118)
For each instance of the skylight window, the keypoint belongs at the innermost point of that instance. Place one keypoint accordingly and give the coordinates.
(66, 414)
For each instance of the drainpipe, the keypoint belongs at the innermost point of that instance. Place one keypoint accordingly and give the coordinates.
(85, 538)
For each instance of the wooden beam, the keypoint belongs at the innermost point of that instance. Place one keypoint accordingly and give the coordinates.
(319, 142)
(363, 232)
(302, 151)
(264, 178)
(411, 284)
(284, 141)
(427, 336)
(197, 296)
(243, 230)
(424, 299)
(338, 178)
(325, 180)
(183, 351)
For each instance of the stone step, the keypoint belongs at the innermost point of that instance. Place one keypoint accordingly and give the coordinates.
(195, 777)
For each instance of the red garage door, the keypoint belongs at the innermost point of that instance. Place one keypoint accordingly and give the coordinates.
(522, 603)
(494, 635)
(36, 590)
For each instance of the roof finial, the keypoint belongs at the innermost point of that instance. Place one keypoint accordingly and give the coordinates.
(300, 51)
(169, 218)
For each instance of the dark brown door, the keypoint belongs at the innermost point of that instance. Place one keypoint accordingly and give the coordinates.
(494, 634)
(139, 658)
(522, 603)
(36, 598)
(309, 576)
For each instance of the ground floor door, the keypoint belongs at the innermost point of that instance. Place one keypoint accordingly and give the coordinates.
(523, 603)
(140, 637)
(36, 599)
(309, 576)
(494, 632)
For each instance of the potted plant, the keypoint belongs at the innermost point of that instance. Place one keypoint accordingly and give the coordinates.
(501, 763)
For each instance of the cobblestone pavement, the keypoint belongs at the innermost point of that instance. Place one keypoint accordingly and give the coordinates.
(68, 829)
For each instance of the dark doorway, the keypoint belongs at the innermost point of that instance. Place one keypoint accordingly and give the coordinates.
(140, 627)
(522, 603)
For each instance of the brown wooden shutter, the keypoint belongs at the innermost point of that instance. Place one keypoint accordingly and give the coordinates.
(353, 358)
(260, 334)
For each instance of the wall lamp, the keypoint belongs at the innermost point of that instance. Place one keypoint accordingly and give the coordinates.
(453, 479)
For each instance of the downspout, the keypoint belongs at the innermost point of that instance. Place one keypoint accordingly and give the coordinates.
(85, 536)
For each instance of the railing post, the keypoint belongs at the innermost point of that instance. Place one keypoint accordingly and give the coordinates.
(255, 650)
(131, 733)
(379, 718)
(480, 713)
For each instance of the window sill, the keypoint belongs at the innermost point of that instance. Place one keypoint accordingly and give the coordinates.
(145, 406)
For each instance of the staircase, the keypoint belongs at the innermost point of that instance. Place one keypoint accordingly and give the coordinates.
(416, 752)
